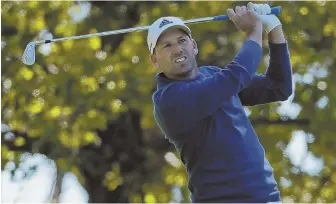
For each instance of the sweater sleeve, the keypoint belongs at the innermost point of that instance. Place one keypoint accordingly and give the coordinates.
(180, 105)
(275, 84)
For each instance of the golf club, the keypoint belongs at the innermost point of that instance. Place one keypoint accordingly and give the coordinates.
(28, 57)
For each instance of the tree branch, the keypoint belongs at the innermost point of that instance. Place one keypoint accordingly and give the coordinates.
(266, 121)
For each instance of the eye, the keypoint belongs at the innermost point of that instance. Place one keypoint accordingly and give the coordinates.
(166, 45)
(182, 40)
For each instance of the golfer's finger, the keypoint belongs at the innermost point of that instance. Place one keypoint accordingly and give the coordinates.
(268, 9)
(238, 10)
(265, 9)
(231, 13)
(256, 8)
(243, 9)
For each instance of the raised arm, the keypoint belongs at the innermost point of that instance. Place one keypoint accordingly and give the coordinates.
(276, 83)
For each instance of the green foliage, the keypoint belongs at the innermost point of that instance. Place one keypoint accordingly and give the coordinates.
(82, 85)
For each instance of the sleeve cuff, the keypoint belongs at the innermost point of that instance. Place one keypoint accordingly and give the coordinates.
(278, 49)
(277, 44)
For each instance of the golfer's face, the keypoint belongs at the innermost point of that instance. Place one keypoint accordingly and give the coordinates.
(175, 53)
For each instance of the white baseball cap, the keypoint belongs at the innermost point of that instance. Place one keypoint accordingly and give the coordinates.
(160, 26)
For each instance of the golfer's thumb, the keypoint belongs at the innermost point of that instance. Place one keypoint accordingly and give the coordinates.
(250, 6)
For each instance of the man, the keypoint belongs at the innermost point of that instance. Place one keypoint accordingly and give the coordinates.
(200, 109)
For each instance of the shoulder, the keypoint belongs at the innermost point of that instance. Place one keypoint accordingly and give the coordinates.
(209, 69)
(164, 96)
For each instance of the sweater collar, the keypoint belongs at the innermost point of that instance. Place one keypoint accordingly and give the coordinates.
(162, 80)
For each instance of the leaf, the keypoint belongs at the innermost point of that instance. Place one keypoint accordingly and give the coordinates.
(26, 74)
(95, 43)
(19, 141)
(150, 198)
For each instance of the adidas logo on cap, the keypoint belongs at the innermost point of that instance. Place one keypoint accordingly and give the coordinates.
(164, 22)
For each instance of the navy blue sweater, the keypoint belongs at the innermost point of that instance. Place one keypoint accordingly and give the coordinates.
(205, 120)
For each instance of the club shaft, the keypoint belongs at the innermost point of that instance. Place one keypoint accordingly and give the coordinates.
(199, 20)
(121, 31)
(113, 32)
(274, 10)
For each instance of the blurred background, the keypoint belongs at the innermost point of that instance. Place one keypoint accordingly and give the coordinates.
(78, 126)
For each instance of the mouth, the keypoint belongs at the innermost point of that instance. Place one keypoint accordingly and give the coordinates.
(180, 59)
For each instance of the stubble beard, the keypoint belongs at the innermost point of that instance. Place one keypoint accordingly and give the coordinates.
(191, 67)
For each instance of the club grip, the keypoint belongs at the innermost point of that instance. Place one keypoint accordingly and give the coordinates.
(274, 10)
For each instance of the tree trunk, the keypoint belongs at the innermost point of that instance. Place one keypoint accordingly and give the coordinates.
(121, 144)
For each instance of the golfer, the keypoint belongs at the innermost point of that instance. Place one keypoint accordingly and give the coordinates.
(200, 109)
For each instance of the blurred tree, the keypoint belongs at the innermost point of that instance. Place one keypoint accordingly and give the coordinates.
(87, 104)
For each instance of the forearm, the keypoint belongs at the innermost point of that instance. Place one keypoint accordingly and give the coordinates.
(280, 69)
(276, 36)
(275, 84)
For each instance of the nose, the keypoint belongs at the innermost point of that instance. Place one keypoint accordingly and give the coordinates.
(177, 50)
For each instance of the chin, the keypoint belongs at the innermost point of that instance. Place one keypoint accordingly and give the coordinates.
(185, 73)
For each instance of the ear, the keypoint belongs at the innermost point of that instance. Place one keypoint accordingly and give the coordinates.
(153, 59)
(195, 46)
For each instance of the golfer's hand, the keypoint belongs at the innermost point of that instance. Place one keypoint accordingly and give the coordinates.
(245, 18)
(269, 21)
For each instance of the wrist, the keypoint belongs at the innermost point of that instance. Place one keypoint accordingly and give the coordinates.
(276, 35)
(257, 29)
(255, 34)
(271, 22)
